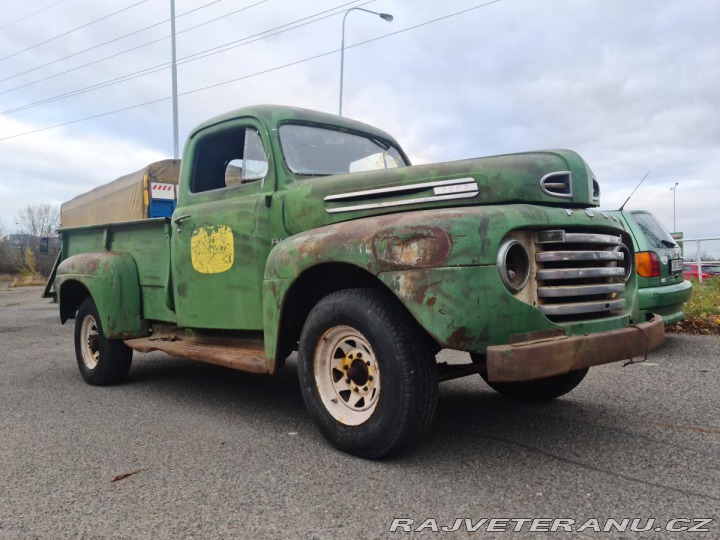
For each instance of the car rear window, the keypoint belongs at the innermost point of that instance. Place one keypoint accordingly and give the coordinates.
(655, 233)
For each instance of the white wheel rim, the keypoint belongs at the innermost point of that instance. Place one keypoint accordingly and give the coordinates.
(89, 342)
(347, 375)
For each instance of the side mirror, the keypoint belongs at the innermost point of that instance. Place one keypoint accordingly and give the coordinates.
(44, 244)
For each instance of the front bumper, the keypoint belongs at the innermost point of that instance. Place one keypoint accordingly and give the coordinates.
(542, 358)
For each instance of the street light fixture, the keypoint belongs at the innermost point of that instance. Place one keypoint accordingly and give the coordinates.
(385, 16)
(674, 189)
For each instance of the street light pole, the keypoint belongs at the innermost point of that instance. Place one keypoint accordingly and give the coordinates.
(385, 16)
(674, 190)
(176, 143)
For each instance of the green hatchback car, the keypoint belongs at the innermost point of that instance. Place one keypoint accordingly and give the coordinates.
(662, 289)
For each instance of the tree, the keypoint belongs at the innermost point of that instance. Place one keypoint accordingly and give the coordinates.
(39, 220)
(9, 259)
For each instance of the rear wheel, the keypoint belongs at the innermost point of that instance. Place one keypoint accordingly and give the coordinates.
(366, 374)
(539, 389)
(101, 361)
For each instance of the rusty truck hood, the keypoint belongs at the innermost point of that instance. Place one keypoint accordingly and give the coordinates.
(548, 177)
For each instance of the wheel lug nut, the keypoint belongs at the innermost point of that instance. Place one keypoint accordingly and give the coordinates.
(359, 355)
(365, 388)
(345, 368)
(370, 377)
(347, 381)
(367, 362)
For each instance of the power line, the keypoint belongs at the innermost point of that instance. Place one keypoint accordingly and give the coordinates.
(128, 50)
(73, 30)
(31, 14)
(164, 65)
(263, 72)
(108, 42)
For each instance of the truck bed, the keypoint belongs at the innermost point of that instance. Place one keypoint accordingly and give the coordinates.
(148, 241)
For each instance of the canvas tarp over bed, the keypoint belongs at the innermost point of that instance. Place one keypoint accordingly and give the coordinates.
(124, 199)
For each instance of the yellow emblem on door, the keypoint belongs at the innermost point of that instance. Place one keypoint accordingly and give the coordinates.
(212, 249)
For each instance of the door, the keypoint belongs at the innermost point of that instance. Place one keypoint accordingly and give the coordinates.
(220, 237)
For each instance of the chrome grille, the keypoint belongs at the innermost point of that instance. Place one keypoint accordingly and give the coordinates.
(580, 274)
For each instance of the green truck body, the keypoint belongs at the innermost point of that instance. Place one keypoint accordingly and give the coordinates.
(289, 218)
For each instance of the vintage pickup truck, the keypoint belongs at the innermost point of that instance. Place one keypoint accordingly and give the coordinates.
(299, 230)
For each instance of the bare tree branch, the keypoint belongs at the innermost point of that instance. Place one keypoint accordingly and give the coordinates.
(39, 220)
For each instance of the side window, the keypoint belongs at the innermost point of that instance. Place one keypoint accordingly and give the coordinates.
(229, 158)
(255, 161)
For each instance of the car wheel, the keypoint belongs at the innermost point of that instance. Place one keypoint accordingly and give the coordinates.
(101, 361)
(366, 374)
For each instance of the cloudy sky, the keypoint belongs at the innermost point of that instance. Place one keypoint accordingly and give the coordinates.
(632, 86)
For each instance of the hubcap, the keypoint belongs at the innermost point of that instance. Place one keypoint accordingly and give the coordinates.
(347, 375)
(89, 342)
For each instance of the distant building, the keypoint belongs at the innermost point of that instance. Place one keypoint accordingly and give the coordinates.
(21, 241)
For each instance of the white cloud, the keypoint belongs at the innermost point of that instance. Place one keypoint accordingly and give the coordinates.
(632, 86)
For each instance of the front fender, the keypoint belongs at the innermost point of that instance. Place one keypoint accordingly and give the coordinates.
(111, 279)
(380, 244)
(375, 245)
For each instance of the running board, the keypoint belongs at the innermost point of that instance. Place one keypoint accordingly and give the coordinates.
(234, 353)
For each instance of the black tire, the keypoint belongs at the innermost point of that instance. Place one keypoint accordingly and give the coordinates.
(395, 381)
(537, 390)
(101, 361)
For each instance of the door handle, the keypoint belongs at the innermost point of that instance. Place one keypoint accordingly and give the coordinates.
(178, 220)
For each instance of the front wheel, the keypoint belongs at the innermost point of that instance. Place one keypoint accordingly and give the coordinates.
(367, 376)
(101, 361)
(537, 390)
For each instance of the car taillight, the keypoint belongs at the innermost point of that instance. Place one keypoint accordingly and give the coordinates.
(647, 264)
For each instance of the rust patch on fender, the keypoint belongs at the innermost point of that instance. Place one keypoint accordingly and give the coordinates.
(420, 246)
(459, 339)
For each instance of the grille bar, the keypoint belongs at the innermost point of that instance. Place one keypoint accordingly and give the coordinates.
(581, 308)
(580, 273)
(593, 238)
(565, 291)
(554, 256)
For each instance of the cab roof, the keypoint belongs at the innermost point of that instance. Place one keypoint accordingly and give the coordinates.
(273, 115)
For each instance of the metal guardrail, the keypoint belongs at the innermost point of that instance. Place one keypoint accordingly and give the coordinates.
(699, 262)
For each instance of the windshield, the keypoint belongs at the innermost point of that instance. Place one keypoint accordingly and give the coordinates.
(655, 233)
(319, 151)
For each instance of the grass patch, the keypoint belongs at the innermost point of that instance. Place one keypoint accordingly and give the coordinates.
(7, 277)
(29, 281)
(702, 311)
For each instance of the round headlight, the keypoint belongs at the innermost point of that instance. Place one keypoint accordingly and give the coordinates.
(626, 263)
(513, 265)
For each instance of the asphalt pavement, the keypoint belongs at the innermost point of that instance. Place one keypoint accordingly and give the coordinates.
(188, 450)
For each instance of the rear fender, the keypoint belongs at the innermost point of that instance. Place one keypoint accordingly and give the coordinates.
(111, 279)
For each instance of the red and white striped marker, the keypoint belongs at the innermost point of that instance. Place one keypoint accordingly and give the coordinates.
(162, 191)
